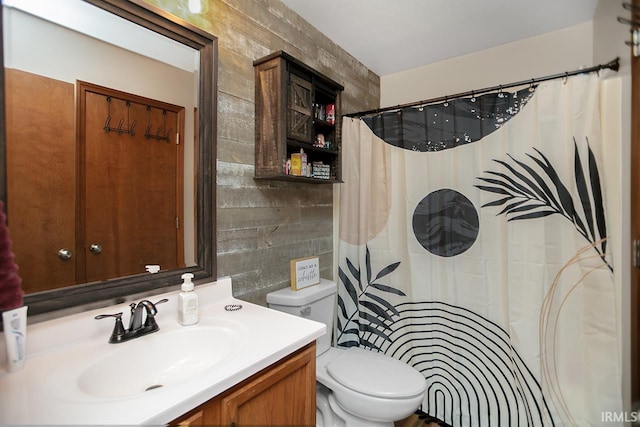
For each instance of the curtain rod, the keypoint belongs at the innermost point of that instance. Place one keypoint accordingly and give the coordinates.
(612, 65)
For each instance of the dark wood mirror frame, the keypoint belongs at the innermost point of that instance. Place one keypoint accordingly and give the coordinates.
(174, 28)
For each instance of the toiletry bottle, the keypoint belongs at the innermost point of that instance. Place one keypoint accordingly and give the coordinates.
(187, 302)
(303, 159)
(15, 334)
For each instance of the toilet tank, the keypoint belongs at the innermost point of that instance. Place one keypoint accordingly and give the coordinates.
(316, 302)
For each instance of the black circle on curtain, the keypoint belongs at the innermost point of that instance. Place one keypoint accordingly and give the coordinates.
(446, 223)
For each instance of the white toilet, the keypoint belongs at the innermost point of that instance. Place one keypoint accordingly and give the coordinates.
(355, 387)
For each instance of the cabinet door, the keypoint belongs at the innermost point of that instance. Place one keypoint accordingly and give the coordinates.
(300, 109)
(40, 137)
(284, 394)
(192, 419)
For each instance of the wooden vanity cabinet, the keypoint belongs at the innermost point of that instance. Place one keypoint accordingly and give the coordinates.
(292, 101)
(281, 394)
(194, 418)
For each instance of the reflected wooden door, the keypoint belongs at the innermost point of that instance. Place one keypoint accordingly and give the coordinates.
(40, 136)
(130, 199)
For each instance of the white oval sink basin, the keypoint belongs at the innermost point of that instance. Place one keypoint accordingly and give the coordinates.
(157, 360)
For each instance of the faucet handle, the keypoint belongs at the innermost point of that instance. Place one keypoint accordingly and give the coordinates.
(151, 321)
(131, 317)
(118, 330)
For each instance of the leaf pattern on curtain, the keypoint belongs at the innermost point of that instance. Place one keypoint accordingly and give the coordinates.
(365, 313)
(528, 192)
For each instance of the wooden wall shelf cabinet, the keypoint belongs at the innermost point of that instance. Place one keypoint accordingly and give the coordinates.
(293, 102)
(281, 394)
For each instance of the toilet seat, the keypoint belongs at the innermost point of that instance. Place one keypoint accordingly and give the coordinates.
(375, 374)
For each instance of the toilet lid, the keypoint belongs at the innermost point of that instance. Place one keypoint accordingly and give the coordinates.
(376, 374)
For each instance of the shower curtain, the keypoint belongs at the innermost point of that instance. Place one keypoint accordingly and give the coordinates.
(477, 244)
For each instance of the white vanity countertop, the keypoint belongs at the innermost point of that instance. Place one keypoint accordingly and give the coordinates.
(44, 392)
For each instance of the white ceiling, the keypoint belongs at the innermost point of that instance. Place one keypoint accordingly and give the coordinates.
(389, 36)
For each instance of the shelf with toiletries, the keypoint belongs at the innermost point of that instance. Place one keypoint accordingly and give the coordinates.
(311, 163)
(297, 118)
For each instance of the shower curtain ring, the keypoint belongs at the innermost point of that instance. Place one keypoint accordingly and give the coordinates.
(565, 78)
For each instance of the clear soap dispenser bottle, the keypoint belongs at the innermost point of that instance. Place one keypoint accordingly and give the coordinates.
(187, 302)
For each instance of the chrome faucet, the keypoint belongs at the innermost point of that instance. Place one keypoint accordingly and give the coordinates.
(136, 327)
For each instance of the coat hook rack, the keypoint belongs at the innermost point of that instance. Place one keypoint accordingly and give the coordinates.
(159, 135)
(634, 25)
(120, 129)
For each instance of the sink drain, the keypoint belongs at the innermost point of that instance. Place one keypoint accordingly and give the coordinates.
(153, 387)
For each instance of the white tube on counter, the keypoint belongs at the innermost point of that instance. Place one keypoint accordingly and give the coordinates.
(15, 335)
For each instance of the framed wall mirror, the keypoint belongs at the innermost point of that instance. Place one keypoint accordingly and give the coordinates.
(109, 112)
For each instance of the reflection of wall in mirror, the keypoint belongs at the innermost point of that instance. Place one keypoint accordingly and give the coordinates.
(64, 55)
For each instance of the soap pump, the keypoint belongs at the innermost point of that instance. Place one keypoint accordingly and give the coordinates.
(187, 302)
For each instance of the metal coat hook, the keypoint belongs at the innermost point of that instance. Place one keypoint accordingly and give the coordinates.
(628, 22)
(159, 136)
(634, 43)
(120, 129)
(631, 7)
(634, 39)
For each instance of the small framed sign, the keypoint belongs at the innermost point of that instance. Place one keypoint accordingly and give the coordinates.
(304, 272)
